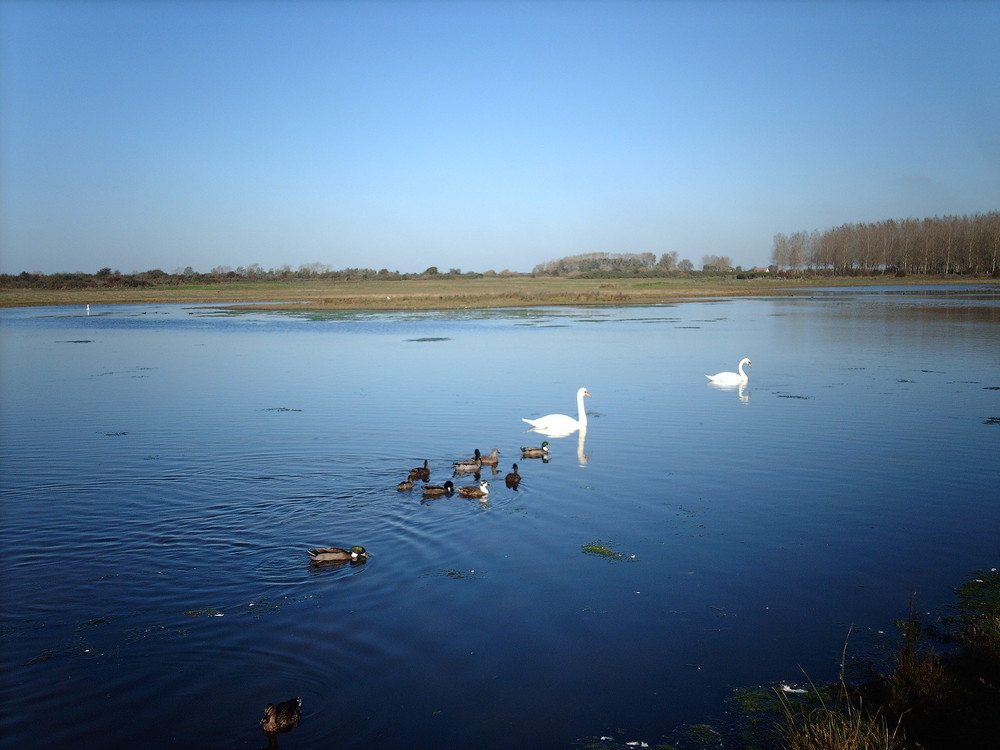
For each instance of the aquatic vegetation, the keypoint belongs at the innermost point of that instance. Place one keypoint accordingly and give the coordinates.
(602, 550)
(457, 574)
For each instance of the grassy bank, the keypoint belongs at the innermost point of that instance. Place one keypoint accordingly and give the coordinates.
(939, 690)
(449, 293)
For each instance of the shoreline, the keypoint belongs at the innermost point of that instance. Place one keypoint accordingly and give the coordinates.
(450, 294)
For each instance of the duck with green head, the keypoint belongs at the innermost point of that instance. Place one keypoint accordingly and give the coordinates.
(536, 452)
(467, 466)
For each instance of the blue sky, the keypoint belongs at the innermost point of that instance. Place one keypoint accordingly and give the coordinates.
(480, 135)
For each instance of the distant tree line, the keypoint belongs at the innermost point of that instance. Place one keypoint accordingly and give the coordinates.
(106, 278)
(935, 246)
(589, 265)
(614, 264)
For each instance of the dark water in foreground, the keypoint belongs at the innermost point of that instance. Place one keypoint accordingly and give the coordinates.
(165, 468)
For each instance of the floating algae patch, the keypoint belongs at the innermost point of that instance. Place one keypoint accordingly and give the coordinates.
(980, 598)
(454, 573)
(600, 549)
(203, 613)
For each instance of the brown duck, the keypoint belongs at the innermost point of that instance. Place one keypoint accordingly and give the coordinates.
(282, 717)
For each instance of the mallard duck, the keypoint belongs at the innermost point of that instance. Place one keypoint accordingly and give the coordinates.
(731, 378)
(536, 452)
(337, 554)
(473, 464)
(492, 459)
(472, 491)
(421, 472)
(513, 479)
(404, 486)
(282, 717)
(433, 490)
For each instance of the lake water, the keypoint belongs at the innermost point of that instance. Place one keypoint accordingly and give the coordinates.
(164, 469)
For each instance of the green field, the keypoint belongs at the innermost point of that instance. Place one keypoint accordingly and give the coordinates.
(449, 293)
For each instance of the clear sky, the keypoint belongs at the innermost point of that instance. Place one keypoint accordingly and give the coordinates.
(480, 135)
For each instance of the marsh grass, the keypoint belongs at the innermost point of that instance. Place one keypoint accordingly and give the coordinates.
(939, 691)
(836, 718)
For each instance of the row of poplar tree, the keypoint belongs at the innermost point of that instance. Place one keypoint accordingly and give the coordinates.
(945, 245)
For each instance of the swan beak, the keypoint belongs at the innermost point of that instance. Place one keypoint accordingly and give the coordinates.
(587, 394)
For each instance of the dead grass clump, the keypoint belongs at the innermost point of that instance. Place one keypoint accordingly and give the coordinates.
(832, 729)
(837, 718)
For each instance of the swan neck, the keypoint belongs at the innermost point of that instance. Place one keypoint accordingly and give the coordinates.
(580, 410)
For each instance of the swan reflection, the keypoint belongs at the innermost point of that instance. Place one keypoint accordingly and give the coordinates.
(742, 389)
(580, 444)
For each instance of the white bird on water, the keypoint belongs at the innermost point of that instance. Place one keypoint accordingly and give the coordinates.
(731, 378)
(558, 425)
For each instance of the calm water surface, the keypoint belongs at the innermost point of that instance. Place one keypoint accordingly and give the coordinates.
(164, 469)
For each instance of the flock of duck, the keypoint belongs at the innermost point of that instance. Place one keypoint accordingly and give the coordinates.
(284, 716)
(473, 465)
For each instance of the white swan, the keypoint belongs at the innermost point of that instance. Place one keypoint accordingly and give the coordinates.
(559, 425)
(731, 378)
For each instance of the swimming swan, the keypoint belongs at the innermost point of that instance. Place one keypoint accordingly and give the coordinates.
(560, 424)
(731, 378)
